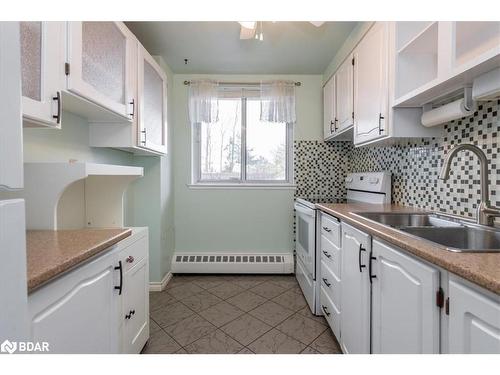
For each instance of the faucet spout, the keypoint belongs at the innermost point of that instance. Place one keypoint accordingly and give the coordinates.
(486, 214)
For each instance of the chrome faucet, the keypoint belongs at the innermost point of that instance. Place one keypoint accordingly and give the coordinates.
(485, 213)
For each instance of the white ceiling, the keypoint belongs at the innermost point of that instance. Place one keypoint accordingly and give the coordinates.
(215, 47)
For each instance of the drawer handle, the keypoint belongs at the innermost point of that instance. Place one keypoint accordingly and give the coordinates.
(326, 282)
(130, 259)
(327, 254)
(327, 229)
(325, 310)
(361, 266)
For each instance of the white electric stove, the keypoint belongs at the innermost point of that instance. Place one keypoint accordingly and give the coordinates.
(369, 187)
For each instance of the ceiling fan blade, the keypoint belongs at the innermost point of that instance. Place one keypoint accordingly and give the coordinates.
(317, 23)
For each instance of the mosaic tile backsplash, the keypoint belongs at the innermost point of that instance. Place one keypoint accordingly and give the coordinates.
(415, 165)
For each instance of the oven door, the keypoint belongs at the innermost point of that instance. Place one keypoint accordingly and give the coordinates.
(305, 237)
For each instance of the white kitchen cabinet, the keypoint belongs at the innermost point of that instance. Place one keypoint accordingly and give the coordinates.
(13, 293)
(42, 63)
(344, 80)
(371, 85)
(147, 134)
(474, 319)
(11, 139)
(77, 313)
(135, 297)
(99, 68)
(405, 316)
(329, 108)
(89, 309)
(152, 111)
(434, 59)
(355, 291)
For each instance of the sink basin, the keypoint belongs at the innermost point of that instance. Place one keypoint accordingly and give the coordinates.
(398, 220)
(460, 239)
(453, 234)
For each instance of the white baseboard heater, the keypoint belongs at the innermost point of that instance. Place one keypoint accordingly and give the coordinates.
(232, 263)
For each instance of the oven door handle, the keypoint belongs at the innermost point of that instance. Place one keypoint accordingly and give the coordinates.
(305, 211)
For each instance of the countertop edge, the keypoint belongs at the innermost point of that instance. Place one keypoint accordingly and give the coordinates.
(47, 276)
(384, 232)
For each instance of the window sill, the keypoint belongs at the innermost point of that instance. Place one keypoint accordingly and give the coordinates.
(222, 186)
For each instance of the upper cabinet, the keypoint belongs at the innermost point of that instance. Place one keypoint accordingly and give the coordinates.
(329, 108)
(152, 110)
(433, 59)
(371, 85)
(99, 55)
(338, 103)
(11, 139)
(148, 133)
(42, 64)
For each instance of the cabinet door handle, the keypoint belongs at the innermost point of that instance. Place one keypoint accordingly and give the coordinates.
(132, 312)
(57, 117)
(132, 102)
(325, 280)
(327, 254)
(361, 266)
(327, 229)
(325, 310)
(145, 135)
(335, 124)
(120, 287)
(130, 259)
(380, 118)
(128, 316)
(370, 268)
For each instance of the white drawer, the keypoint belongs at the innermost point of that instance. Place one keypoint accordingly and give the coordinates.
(330, 228)
(331, 312)
(331, 255)
(133, 254)
(331, 283)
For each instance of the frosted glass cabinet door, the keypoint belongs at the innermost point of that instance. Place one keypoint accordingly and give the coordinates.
(42, 64)
(99, 55)
(152, 86)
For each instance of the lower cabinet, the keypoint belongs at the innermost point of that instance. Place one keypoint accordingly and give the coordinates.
(474, 319)
(405, 316)
(355, 291)
(84, 310)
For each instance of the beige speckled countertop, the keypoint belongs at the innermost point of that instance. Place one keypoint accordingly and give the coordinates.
(480, 268)
(50, 253)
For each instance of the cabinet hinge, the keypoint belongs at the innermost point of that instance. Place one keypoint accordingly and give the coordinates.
(353, 61)
(440, 298)
(66, 69)
(447, 306)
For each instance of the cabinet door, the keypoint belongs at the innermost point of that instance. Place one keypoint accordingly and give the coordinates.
(344, 94)
(42, 62)
(355, 291)
(405, 317)
(79, 313)
(13, 294)
(371, 85)
(329, 107)
(11, 139)
(474, 322)
(152, 86)
(135, 311)
(99, 56)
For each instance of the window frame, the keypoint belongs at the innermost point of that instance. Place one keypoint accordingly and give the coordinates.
(196, 180)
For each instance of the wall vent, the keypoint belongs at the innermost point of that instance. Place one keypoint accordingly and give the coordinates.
(232, 263)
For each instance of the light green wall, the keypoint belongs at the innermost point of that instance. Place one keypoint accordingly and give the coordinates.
(237, 220)
(149, 200)
(352, 40)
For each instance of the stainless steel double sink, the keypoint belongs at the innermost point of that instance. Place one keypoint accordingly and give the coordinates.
(454, 234)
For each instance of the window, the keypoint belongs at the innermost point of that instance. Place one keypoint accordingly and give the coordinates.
(239, 148)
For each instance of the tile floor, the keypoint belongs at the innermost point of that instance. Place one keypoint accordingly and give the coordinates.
(225, 314)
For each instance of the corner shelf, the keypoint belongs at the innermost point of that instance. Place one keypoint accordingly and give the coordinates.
(76, 195)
